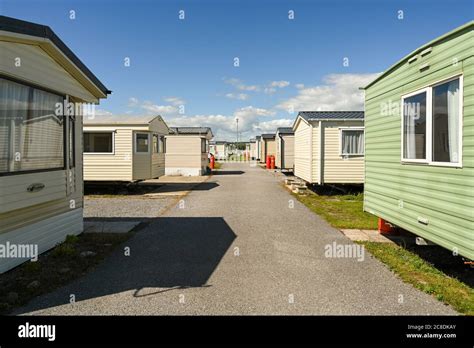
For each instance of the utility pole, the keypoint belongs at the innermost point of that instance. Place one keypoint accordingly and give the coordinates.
(237, 120)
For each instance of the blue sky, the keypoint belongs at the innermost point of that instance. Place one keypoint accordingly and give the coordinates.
(184, 69)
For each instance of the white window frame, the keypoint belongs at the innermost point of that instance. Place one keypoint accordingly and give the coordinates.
(157, 142)
(356, 128)
(429, 124)
(102, 153)
(135, 144)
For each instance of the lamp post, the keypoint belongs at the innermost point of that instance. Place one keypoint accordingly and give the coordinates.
(237, 120)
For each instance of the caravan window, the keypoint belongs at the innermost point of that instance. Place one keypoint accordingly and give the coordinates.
(32, 134)
(98, 142)
(156, 146)
(431, 124)
(141, 143)
(352, 142)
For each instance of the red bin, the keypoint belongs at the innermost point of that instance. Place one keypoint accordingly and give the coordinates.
(212, 162)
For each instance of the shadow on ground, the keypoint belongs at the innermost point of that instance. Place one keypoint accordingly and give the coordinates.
(227, 172)
(438, 257)
(142, 188)
(171, 253)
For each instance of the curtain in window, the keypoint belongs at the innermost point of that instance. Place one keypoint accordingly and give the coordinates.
(409, 136)
(13, 111)
(352, 142)
(31, 135)
(453, 120)
(43, 133)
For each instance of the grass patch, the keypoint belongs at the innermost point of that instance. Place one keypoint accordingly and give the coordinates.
(56, 268)
(414, 270)
(341, 211)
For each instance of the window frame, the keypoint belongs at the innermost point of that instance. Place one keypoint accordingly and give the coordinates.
(135, 144)
(65, 135)
(72, 150)
(429, 124)
(350, 128)
(99, 153)
(205, 146)
(157, 136)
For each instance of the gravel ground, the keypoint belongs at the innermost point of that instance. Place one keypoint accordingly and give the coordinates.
(244, 246)
(126, 207)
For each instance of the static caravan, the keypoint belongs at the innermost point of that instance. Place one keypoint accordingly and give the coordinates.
(187, 151)
(268, 146)
(221, 150)
(420, 142)
(43, 87)
(253, 149)
(258, 147)
(285, 148)
(329, 147)
(125, 148)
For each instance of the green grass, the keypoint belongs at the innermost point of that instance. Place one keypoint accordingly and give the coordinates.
(414, 270)
(341, 211)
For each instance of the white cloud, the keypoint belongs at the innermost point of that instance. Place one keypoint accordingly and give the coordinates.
(175, 100)
(159, 109)
(132, 102)
(279, 84)
(101, 112)
(170, 109)
(338, 92)
(224, 127)
(299, 85)
(269, 90)
(272, 125)
(241, 86)
(239, 96)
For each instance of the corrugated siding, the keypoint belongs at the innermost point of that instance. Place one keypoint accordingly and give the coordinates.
(270, 148)
(278, 157)
(117, 166)
(19, 208)
(337, 169)
(157, 165)
(303, 135)
(183, 152)
(14, 194)
(285, 157)
(46, 234)
(37, 67)
(403, 193)
(315, 154)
